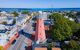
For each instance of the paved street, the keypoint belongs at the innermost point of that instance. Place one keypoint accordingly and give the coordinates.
(29, 28)
(18, 43)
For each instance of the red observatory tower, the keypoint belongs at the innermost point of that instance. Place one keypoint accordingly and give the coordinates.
(40, 36)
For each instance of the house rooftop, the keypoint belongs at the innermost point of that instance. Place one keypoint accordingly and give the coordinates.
(40, 48)
(2, 27)
(56, 49)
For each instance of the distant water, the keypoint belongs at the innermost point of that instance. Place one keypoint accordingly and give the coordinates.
(39, 9)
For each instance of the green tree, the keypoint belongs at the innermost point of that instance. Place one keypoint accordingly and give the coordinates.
(50, 45)
(74, 26)
(64, 29)
(14, 21)
(25, 12)
(61, 30)
(15, 14)
(4, 22)
(73, 45)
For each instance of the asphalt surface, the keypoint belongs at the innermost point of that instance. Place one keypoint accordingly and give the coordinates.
(18, 43)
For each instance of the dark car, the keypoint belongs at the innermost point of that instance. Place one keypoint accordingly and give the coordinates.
(13, 41)
(34, 25)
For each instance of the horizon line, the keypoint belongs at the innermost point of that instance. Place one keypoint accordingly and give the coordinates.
(44, 8)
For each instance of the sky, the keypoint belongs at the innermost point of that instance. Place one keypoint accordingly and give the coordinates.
(39, 3)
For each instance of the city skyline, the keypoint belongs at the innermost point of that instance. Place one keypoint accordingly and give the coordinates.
(39, 4)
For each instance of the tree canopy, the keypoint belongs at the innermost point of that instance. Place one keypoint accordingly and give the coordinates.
(73, 45)
(63, 27)
(15, 14)
(25, 12)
